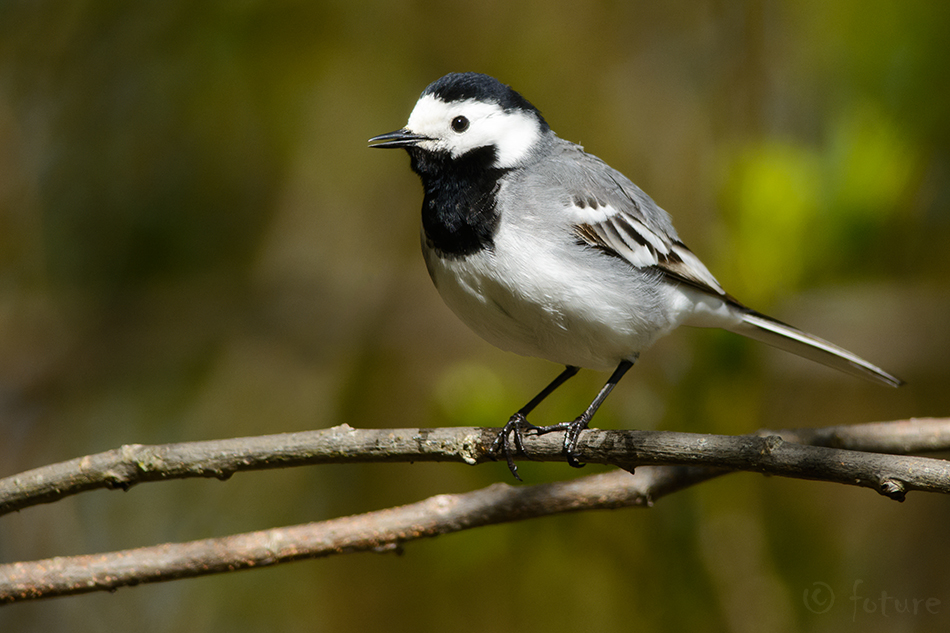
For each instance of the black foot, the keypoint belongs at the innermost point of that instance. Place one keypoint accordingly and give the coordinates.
(516, 427)
(572, 432)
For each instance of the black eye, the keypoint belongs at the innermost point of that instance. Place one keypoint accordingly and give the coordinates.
(459, 124)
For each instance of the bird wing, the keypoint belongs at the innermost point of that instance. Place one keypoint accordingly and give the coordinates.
(612, 214)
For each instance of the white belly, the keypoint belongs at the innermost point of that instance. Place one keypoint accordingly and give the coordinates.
(574, 306)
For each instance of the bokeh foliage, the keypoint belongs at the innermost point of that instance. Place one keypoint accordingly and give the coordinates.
(196, 243)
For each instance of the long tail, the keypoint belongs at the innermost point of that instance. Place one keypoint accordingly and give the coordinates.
(767, 330)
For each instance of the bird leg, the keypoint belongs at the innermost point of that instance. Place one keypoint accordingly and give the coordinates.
(518, 424)
(572, 430)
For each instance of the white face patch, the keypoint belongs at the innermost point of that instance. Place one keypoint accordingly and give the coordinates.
(513, 133)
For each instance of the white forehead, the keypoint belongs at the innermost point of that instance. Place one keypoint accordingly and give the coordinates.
(512, 132)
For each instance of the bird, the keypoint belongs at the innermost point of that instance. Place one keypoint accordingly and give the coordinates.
(545, 250)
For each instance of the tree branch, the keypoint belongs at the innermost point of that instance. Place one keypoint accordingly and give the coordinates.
(665, 461)
(380, 531)
(834, 456)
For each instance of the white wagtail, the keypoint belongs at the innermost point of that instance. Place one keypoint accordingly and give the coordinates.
(545, 250)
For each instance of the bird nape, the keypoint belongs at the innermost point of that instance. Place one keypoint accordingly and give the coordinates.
(545, 250)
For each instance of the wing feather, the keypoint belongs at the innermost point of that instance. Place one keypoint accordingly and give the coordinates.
(623, 235)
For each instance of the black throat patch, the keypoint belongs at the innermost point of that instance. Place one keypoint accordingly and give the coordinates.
(459, 214)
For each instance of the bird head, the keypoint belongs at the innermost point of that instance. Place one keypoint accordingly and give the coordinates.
(464, 114)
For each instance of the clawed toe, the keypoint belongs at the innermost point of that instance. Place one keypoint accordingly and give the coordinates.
(516, 427)
(511, 438)
(570, 442)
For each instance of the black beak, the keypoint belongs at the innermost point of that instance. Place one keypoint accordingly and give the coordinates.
(399, 138)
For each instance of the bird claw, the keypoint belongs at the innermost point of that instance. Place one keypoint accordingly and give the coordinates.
(518, 427)
(572, 433)
(570, 441)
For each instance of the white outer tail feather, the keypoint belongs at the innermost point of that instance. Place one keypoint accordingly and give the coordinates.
(771, 332)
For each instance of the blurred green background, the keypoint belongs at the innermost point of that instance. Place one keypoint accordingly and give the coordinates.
(195, 243)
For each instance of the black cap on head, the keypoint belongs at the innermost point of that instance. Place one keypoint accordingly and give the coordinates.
(460, 86)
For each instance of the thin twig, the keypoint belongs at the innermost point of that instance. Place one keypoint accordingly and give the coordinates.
(903, 437)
